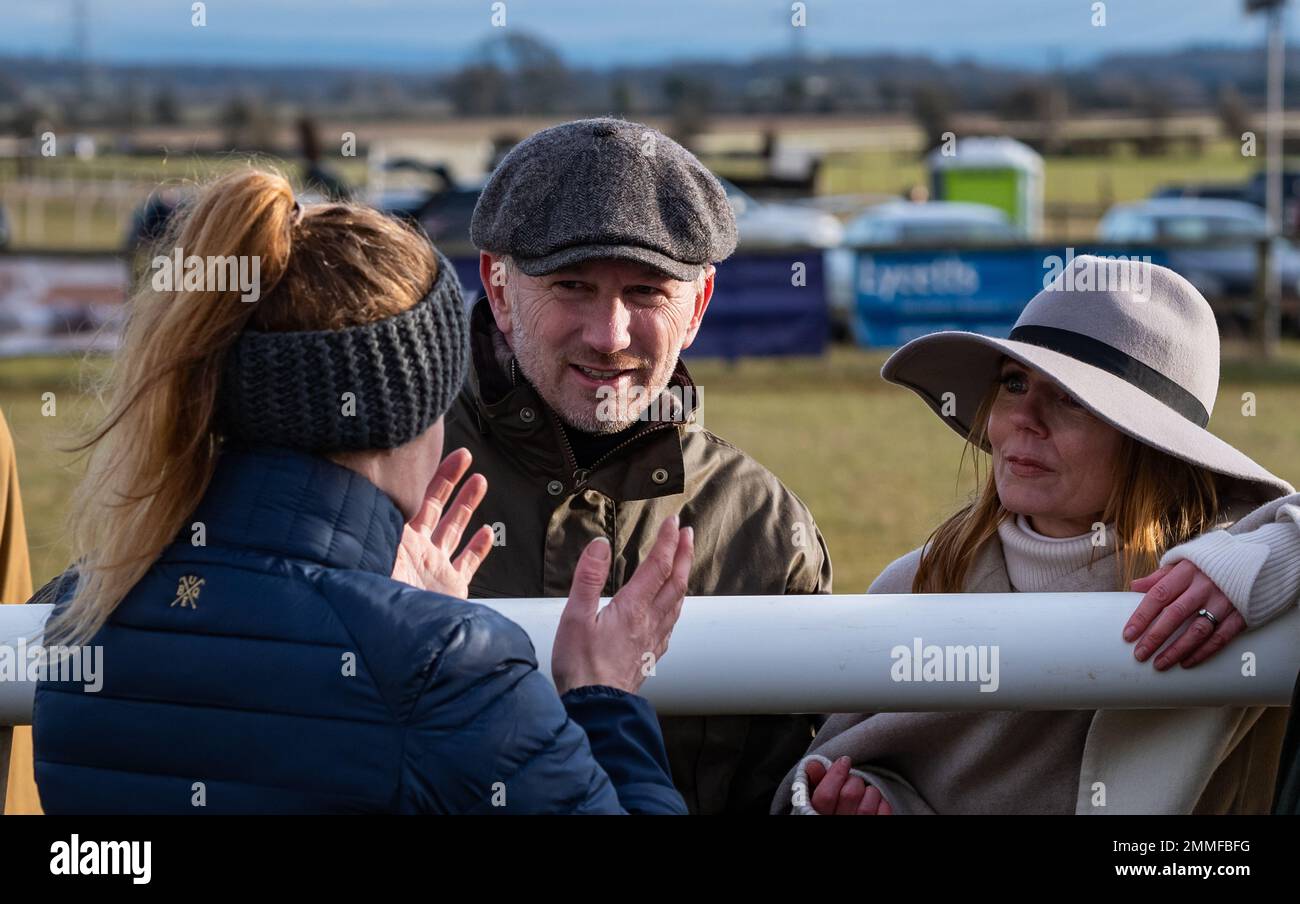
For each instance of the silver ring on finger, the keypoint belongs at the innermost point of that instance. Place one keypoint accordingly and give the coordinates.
(1206, 613)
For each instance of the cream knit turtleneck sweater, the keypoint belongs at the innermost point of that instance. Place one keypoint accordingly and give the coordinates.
(1258, 571)
(1035, 561)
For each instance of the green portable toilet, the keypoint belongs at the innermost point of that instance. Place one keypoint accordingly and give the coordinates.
(1000, 172)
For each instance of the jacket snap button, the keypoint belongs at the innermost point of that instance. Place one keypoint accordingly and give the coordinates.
(659, 475)
(527, 415)
(555, 488)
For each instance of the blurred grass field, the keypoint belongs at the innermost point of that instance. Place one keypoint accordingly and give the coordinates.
(876, 467)
(87, 222)
(1124, 176)
(1090, 182)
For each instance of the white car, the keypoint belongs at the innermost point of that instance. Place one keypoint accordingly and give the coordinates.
(903, 224)
(931, 224)
(1223, 261)
(772, 224)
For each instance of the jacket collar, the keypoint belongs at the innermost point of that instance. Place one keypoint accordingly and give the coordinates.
(988, 572)
(299, 505)
(528, 431)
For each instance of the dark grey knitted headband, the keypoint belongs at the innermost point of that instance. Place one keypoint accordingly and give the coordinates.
(375, 386)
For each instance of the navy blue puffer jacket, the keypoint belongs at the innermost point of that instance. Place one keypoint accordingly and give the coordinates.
(279, 668)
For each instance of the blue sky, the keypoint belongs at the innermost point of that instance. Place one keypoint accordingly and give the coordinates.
(433, 33)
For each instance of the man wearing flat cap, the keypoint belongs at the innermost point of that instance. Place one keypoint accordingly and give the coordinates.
(597, 242)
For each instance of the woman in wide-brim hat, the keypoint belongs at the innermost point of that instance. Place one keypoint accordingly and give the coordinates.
(1093, 415)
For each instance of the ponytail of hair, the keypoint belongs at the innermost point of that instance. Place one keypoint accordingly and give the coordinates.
(154, 452)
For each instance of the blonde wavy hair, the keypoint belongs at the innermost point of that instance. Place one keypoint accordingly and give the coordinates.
(1156, 501)
(152, 455)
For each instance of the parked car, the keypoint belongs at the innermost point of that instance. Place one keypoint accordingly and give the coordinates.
(774, 224)
(1257, 193)
(427, 194)
(930, 224)
(1225, 267)
(1254, 192)
(1230, 191)
(925, 224)
(149, 221)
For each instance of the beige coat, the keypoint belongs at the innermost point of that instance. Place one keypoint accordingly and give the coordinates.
(15, 587)
(1202, 760)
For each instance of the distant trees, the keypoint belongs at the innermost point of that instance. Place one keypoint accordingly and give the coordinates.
(622, 100)
(166, 110)
(479, 89)
(1156, 106)
(515, 73)
(1039, 102)
(512, 73)
(1233, 112)
(247, 124)
(27, 120)
(932, 110)
(690, 101)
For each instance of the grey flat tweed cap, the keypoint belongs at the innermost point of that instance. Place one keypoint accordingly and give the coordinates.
(604, 188)
(289, 389)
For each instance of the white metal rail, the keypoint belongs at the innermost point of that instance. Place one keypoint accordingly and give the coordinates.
(926, 652)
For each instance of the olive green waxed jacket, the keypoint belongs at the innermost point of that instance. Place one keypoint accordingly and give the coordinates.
(752, 537)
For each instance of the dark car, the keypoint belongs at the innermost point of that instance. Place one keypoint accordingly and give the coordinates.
(439, 204)
(1257, 193)
(149, 220)
(1223, 258)
(1225, 191)
(1253, 192)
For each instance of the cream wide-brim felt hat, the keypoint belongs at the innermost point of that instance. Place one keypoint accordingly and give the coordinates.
(1134, 343)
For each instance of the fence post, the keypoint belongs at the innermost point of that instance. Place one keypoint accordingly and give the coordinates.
(34, 231)
(1268, 303)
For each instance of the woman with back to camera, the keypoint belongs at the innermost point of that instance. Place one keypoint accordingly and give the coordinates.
(1093, 413)
(263, 549)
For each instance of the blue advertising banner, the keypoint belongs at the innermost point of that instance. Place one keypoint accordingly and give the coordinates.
(902, 294)
(766, 304)
(467, 269)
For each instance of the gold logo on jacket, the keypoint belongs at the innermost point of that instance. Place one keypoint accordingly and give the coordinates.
(187, 591)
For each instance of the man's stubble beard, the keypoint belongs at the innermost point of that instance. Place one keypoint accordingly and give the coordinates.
(533, 362)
